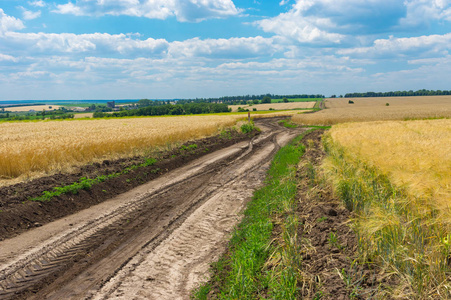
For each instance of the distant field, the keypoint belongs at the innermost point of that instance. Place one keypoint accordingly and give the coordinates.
(34, 107)
(34, 148)
(297, 100)
(375, 109)
(276, 106)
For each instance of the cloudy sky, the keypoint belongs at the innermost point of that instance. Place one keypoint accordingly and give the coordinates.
(131, 49)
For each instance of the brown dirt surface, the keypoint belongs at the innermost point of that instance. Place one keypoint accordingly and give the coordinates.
(155, 241)
(18, 213)
(330, 263)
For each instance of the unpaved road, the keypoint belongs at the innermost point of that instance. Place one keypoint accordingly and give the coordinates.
(153, 242)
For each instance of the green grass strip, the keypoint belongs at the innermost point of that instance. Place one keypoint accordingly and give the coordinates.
(242, 274)
(86, 183)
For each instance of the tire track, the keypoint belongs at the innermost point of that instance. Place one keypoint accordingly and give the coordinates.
(108, 232)
(173, 268)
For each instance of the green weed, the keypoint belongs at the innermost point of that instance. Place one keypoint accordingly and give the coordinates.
(256, 265)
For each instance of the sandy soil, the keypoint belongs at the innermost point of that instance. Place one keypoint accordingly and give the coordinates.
(155, 241)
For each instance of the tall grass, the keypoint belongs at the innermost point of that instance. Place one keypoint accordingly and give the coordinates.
(28, 148)
(395, 176)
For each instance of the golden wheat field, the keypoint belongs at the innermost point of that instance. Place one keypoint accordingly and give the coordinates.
(276, 106)
(375, 109)
(28, 148)
(416, 155)
(403, 224)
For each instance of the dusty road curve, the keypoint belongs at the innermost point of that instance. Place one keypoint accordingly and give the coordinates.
(154, 242)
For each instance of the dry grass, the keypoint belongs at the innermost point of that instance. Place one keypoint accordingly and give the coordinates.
(276, 106)
(33, 107)
(30, 149)
(375, 109)
(396, 175)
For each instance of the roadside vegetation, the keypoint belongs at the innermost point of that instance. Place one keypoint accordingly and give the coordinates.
(257, 264)
(395, 178)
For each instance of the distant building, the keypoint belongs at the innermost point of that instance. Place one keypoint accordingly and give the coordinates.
(111, 104)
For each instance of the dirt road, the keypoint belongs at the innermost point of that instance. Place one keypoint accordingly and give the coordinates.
(153, 242)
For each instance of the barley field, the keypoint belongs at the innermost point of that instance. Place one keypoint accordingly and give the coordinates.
(396, 177)
(276, 106)
(30, 149)
(375, 109)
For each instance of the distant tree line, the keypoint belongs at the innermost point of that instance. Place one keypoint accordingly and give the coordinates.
(422, 92)
(168, 109)
(235, 99)
(60, 113)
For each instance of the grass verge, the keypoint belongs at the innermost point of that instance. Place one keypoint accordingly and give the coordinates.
(263, 258)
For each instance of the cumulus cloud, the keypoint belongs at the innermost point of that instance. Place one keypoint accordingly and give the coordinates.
(431, 45)
(337, 21)
(8, 23)
(329, 21)
(28, 14)
(233, 48)
(38, 3)
(183, 10)
(104, 44)
(4, 57)
(100, 43)
(421, 12)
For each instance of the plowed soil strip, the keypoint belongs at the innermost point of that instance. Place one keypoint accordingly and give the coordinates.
(123, 240)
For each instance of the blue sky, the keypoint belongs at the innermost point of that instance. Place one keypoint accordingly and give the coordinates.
(131, 49)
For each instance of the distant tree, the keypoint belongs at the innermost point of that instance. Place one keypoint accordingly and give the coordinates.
(333, 96)
(266, 99)
(256, 101)
(285, 100)
(145, 102)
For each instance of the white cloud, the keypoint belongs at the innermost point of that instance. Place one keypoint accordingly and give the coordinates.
(4, 57)
(38, 3)
(28, 14)
(420, 12)
(233, 48)
(183, 10)
(99, 43)
(283, 2)
(46, 44)
(331, 22)
(435, 45)
(8, 23)
(304, 30)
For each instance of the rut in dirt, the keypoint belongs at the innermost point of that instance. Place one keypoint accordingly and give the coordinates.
(87, 260)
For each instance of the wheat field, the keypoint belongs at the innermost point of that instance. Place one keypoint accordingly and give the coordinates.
(396, 176)
(375, 109)
(30, 149)
(416, 155)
